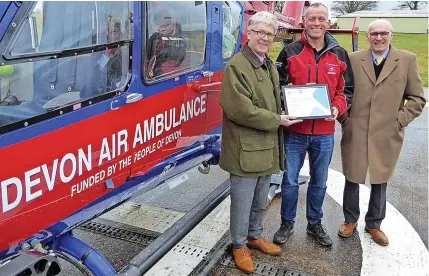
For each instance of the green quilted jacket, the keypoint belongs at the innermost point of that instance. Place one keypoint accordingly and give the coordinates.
(252, 141)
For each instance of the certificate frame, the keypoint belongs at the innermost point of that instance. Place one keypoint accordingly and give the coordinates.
(322, 100)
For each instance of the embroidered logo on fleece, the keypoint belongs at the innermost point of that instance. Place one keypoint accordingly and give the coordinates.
(331, 68)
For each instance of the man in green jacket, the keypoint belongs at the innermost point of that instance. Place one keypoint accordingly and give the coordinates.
(252, 142)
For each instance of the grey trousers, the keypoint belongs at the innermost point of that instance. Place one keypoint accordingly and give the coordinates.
(376, 207)
(249, 197)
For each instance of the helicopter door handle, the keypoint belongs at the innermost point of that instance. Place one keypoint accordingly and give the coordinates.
(133, 97)
(206, 88)
(208, 74)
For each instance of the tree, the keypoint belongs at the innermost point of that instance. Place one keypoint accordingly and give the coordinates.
(411, 5)
(345, 7)
(279, 6)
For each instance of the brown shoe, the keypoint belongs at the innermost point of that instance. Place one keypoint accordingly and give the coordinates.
(378, 236)
(264, 246)
(347, 229)
(243, 260)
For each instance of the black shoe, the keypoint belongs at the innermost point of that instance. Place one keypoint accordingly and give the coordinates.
(286, 229)
(318, 231)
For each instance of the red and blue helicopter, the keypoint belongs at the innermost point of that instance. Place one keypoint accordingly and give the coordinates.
(100, 102)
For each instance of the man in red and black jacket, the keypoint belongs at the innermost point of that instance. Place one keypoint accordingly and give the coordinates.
(317, 59)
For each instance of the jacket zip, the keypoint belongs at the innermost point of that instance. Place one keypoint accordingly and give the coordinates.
(309, 73)
(317, 78)
(309, 81)
(317, 70)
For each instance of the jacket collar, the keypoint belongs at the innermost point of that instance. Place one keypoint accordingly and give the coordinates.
(390, 64)
(251, 56)
(330, 41)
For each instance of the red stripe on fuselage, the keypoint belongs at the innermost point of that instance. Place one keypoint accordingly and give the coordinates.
(168, 122)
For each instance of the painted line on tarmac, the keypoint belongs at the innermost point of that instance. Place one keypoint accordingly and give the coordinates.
(191, 250)
(406, 253)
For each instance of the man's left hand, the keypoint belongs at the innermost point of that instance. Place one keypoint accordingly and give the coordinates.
(335, 112)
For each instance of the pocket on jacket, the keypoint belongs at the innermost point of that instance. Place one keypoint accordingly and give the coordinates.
(345, 126)
(345, 119)
(257, 103)
(256, 153)
(398, 124)
(398, 84)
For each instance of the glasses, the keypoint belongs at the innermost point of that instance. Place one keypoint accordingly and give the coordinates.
(262, 34)
(374, 35)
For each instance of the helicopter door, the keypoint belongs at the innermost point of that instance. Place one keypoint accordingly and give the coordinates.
(173, 50)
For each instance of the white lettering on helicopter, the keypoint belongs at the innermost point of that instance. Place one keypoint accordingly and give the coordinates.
(88, 183)
(14, 190)
(122, 146)
(151, 148)
(69, 164)
(156, 125)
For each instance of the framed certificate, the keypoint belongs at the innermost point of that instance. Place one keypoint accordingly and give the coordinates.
(309, 101)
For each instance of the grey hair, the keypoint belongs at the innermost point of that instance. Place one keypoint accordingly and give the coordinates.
(265, 18)
(382, 21)
(317, 5)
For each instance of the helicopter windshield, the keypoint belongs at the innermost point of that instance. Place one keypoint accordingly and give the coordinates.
(34, 87)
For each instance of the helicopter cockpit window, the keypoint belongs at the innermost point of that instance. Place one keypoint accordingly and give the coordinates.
(175, 38)
(70, 25)
(231, 27)
(32, 88)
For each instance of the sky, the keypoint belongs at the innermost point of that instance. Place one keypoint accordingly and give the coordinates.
(382, 5)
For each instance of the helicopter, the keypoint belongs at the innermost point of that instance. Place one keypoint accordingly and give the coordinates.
(102, 101)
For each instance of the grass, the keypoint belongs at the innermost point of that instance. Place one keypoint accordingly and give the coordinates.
(416, 43)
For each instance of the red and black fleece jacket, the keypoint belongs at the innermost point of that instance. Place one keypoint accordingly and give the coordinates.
(299, 63)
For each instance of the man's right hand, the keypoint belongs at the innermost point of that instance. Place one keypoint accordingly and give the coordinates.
(286, 120)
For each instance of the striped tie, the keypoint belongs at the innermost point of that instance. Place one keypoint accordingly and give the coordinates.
(378, 60)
